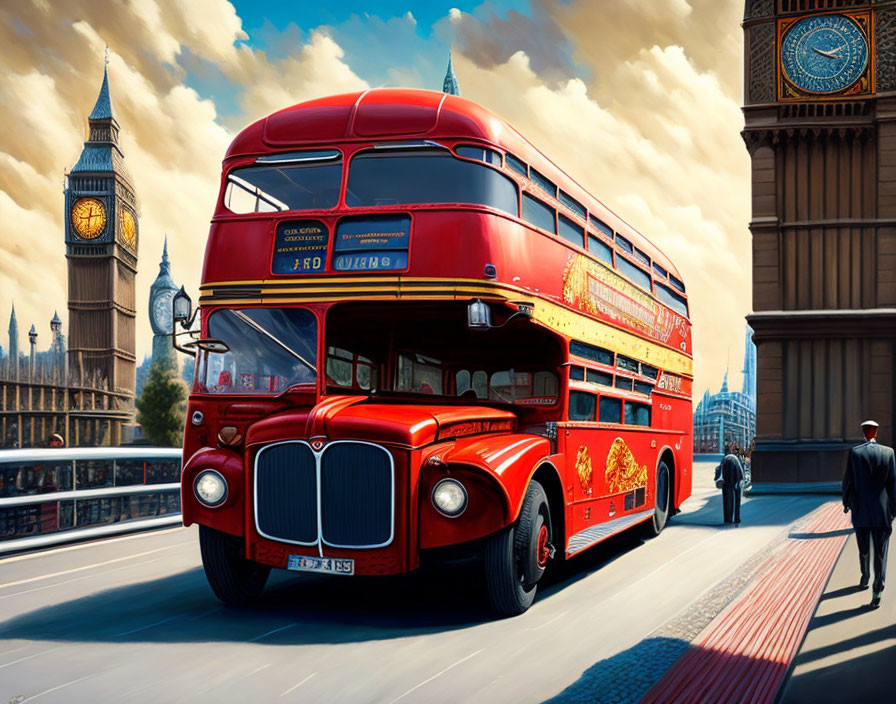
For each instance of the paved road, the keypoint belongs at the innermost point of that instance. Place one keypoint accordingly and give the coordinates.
(133, 619)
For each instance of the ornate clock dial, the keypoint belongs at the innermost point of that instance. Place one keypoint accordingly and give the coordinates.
(824, 54)
(162, 313)
(88, 218)
(128, 228)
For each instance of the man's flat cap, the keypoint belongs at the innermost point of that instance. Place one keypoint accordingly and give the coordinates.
(871, 423)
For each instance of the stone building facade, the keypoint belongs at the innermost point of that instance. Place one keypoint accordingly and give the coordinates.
(820, 127)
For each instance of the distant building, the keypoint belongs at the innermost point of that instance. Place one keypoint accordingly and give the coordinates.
(728, 417)
(449, 85)
(161, 294)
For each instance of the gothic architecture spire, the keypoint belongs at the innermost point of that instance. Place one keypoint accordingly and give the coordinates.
(13, 338)
(449, 85)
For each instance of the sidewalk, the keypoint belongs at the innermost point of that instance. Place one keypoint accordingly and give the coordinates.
(849, 654)
(745, 652)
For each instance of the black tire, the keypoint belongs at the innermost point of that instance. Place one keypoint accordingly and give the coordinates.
(234, 579)
(516, 558)
(655, 525)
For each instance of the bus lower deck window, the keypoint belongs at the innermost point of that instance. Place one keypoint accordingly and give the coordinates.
(581, 405)
(610, 409)
(637, 413)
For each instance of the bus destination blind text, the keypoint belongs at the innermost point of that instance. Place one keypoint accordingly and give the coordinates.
(300, 247)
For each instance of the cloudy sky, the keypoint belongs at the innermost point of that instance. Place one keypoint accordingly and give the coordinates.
(638, 100)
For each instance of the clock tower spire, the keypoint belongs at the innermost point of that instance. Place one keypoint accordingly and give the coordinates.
(101, 249)
(161, 295)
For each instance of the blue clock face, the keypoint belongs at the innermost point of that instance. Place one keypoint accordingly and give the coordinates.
(824, 54)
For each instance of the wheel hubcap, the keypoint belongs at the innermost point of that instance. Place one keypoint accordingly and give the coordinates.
(543, 551)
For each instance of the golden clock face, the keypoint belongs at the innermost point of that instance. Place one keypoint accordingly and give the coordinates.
(128, 228)
(89, 218)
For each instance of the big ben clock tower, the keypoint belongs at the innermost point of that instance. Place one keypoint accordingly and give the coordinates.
(101, 249)
(820, 127)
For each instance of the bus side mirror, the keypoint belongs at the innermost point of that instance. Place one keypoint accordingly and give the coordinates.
(479, 316)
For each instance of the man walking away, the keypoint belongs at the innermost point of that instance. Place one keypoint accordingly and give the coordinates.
(869, 491)
(732, 481)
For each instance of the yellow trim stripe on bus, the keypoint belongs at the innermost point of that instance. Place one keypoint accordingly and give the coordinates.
(552, 315)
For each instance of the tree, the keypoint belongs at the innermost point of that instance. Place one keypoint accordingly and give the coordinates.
(162, 407)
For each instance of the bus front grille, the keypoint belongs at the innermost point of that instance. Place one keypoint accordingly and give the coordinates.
(355, 494)
(286, 493)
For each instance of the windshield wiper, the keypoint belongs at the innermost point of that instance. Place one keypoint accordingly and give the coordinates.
(255, 326)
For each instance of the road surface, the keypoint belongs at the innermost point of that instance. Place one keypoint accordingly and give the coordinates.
(132, 619)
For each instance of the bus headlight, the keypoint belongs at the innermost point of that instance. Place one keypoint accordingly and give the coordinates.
(449, 497)
(210, 488)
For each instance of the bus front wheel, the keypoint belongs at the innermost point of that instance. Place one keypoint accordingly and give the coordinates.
(655, 525)
(234, 579)
(516, 558)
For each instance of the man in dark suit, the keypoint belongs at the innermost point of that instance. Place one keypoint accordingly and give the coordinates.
(732, 476)
(869, 491)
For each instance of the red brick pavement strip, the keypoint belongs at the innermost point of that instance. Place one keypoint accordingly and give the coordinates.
(745, 653)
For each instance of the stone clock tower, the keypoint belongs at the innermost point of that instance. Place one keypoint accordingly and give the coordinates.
(161, 295)
(101, 249)
(820, 114)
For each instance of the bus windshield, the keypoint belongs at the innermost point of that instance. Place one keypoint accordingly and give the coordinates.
(401, 177)
(271, 350)
(427, 350)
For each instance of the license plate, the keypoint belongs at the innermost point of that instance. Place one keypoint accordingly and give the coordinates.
(328, 565)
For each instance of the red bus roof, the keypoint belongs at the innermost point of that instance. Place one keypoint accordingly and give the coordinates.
(395, 113)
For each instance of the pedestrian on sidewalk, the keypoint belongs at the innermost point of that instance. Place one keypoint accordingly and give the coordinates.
(869, 491)
(731, 479)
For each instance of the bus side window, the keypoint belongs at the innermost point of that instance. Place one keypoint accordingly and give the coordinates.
(422, 375)
(610, 410)
(461, 382)
(545, 384)
(539, 214)
(581, 405)
(339, 366)
(480, 384)
(637, 413)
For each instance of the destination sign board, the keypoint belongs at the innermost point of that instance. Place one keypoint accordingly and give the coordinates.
(300, 247)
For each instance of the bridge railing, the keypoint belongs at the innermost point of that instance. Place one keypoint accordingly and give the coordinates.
(50, 496)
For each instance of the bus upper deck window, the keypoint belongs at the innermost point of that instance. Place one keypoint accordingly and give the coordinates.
(484, 154)
(519, 166)
(600, 249)
(539, 214)
(672, 299)
(406, 176)
(294, 181)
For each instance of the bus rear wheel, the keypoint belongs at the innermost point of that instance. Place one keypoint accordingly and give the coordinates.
(234, 579)
(515, 559)
(655, 525)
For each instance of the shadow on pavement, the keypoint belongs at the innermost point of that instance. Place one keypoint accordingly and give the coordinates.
(815, 536)
(843, 591)
(872, 677)
(869, 638)
(318, 609)
(627, 676)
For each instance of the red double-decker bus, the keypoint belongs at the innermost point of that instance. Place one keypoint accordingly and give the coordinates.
(419, 336)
